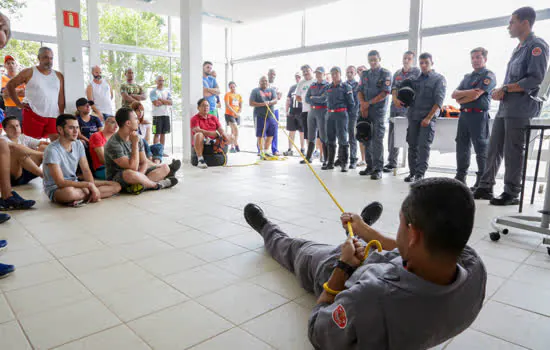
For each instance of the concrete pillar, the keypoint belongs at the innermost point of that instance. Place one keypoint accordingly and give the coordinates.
(93, 33)
(69, 46)
(191, 66)
(415, 26)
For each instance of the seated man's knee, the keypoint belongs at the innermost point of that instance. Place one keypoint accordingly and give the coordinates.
(129, 176)
(199, 137)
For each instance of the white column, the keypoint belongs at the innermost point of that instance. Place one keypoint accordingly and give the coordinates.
(93, 33)
(191, 66)
(228, 78)
(69, 46)
(415, 26)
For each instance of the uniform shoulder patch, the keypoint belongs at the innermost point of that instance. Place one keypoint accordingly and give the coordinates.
(487, 81)
(339, 317)
(537, 51)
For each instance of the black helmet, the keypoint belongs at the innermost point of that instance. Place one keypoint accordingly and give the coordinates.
(363, 130)
(406, 93)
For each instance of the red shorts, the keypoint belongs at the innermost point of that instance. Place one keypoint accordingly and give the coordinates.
(37, 126)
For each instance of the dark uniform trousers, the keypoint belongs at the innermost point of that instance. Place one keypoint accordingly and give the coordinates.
(337, 127)
(393, 152)
(473, 128)
(317, 121)
(419, 139)
(352, 123)
(508, 142)
(374, 148)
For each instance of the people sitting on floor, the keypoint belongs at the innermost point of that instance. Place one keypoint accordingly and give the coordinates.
(126, 162)
(61, 160)
(424, 288)
(153, 152)
(89, 124)
(26, 153)
(10, 199)
(207, 131)
(97, 143)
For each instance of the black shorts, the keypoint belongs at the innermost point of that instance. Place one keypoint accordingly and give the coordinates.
(161, 125)
(293, 122)
(25, 178)
(303, 122)
(231, 119)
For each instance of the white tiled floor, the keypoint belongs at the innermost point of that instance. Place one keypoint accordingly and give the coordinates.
(180, 269)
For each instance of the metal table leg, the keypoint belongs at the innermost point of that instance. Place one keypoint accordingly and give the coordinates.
(523, 176)
(537, 166)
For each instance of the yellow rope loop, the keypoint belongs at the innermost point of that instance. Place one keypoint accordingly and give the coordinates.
(374, 242)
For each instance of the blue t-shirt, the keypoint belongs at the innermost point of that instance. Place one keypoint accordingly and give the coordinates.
(55, 153)
(211, 83)
(90, 127)
(259, 95)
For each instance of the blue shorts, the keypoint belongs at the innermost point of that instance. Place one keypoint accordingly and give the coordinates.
(25, 178)
(270, 128)
(99, 173)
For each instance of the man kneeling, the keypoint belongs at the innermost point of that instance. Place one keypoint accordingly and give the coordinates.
(126, 162)
(62, 158)
(426, 286)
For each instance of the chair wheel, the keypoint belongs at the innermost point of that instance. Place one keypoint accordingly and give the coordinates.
(495, 236)
(505, 231)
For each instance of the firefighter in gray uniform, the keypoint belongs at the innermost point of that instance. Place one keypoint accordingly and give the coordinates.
(524, 75)
(352, 118)
(430, 88)
(474, 96)
(374, 88)
(340, 103)
(317, 117)
(397, 108)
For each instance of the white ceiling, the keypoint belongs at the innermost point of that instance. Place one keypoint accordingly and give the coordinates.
(237, 10)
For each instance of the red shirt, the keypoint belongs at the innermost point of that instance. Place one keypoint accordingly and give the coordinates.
(210, 123)
(96, 140)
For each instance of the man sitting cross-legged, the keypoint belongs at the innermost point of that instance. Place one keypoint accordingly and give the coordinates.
(61, 159)
(427, 286)
(26, 153)
(126, 162)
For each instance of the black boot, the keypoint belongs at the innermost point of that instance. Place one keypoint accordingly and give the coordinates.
(476, 185)
(255, 217)
(325, 155)
(330, 156)
(337, 151)
(310, 149)
(344, 154)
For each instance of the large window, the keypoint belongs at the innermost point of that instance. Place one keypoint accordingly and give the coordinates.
(390, 52)
(35, 17)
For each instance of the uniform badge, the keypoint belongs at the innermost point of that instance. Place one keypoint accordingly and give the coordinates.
(339, 317)
(486, 81)
(536, 51)
(388, 83)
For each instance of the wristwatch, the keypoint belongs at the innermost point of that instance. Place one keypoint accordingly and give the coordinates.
(347, 268)
(505, 89)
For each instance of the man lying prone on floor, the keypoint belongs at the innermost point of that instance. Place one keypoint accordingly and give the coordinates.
(425, 287)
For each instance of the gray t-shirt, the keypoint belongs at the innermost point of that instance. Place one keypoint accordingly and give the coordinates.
(386, 307)
(117, 148)
(55, 153)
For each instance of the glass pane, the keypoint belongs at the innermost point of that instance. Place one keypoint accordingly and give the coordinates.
(358, 19)
(124, 26)
(175, 28)
(272, 34)
(23, 51)
(213, 42)
(84, 19)
(86, 66)
(390, 52)
(451, 54)
(439, 13)
(36, 17)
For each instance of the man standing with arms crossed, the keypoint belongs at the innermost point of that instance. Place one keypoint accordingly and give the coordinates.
(210, 88)
(524, 75)
(130, 90)
(100, 91)
(161, 100)
(11, 108)
(44, 96)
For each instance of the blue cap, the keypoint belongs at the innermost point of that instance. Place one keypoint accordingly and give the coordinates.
(320, 70)
(336, 69)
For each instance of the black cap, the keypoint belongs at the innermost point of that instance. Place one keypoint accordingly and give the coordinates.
(83, 102)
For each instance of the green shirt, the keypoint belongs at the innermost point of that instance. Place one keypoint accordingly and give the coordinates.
(130, 89)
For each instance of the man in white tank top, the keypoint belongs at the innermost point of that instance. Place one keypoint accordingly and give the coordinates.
(100, 91)
(44, 96)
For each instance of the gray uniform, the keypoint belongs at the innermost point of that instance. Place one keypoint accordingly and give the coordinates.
(352, 121)
(473, 123)
(384, 307)
(526, 68)
(398, 77)
(373, 82)
(430, 90)
(316, 118)
(339, 103)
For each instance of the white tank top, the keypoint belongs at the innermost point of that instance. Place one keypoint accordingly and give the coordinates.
(102, 97)
(42, 93)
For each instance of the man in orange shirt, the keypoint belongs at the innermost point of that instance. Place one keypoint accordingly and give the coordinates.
(11, 108)
(233, 108)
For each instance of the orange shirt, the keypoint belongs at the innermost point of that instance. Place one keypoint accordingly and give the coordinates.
(8, 101)
(233, 100)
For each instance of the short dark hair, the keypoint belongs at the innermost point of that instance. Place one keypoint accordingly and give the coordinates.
(207, 62)
(426, 56)
(480, 49)
(526, 13)
(123, 115)
(373, 53)
(62, 119)
(444, 210)
(7, 120)
(409, 53)
(231, 82)
(200, 101)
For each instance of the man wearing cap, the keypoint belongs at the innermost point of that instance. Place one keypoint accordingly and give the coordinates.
(11, 72)
(374, 88)
(316, 119)
(397, 107)
(301, 92)
(100, 91)
(89, 124)
(518, 105)
(474, 96)
(340, 101)
(44, 96)
(430, 88)
(294, 110)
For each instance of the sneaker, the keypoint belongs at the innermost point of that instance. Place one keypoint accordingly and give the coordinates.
(372, 212)
(505, 199)
(167, 183)
(418, 178)
(174, 167)
(3, 243)
(304, 162)
(377, 175)
(202, 164)
(316, 154)
(255, 217)
(361, 163)
(483, 193)
(388, 168)
(4, 217)
(134, 189)
(237, 148)
(367, 171)
(16, 202)
(6, 270)
(232, 150)
(268, 154)
(288, 153)
(409, 178)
